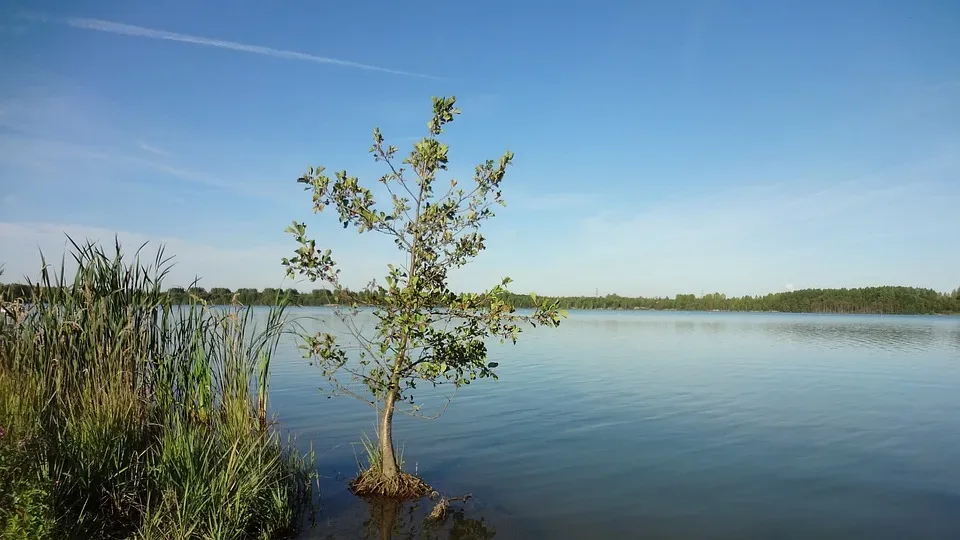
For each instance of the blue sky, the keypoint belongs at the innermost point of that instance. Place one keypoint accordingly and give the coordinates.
(661, 148)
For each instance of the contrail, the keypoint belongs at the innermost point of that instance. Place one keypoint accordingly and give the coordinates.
(140, 31)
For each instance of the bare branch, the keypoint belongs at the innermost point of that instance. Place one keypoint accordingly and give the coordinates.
(418, 414)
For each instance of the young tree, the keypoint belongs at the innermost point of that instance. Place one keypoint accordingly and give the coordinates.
(424, 332)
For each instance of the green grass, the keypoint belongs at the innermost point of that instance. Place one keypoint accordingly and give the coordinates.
(123, 416)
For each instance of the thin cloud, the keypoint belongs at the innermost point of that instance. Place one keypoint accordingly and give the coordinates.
(219, 260)
(738, 240)
(35, 156)
(140, 31)
(12, 30)
(153, 149)
(249, 265)
(551, 201)
(946, 85)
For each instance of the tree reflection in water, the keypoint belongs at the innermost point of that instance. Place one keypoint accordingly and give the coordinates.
(392, 520)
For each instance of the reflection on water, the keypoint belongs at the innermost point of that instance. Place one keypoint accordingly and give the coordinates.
(379, 519)
(887, 332)
(672, 425)
(839, 335)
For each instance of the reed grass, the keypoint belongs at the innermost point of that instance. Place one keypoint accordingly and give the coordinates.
(125, 416)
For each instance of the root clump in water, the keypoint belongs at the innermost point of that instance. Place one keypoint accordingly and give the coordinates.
(403, 487)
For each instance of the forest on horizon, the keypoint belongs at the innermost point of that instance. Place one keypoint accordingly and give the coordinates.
(885, 300)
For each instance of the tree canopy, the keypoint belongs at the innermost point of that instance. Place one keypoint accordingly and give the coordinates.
(424, 332)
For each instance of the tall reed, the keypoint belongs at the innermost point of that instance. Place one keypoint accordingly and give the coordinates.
(125, 416)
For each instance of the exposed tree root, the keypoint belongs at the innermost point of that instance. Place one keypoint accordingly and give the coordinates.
(440, 510)
(442, 507)
(403, 487)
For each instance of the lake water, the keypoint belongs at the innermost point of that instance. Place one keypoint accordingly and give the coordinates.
(674, 425)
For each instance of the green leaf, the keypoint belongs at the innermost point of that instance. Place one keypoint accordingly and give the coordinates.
(492, 365)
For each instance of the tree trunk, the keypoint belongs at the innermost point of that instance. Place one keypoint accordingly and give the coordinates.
(388, 460)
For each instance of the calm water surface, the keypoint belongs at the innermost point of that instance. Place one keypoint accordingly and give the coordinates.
(675, 425)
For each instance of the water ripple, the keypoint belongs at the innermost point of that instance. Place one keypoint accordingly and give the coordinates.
(679, 425)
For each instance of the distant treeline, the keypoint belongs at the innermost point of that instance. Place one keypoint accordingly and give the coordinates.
(905, 300)
(893, 300)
